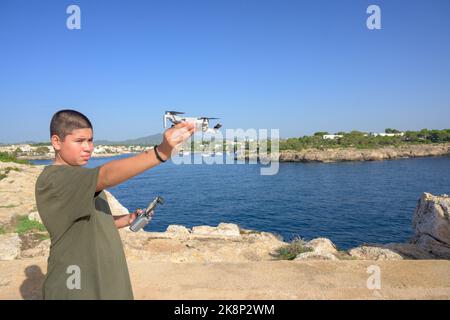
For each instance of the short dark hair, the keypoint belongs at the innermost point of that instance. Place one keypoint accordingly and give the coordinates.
(65, 121)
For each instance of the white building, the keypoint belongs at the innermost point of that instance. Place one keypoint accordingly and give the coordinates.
(331, 136)
(383, 134)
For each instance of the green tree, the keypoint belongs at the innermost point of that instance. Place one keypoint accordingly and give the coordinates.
(42, 150)
(389, 130)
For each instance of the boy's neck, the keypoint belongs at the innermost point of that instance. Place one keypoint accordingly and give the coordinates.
(59, 161)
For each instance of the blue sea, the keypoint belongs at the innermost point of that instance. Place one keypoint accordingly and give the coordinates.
(351, 202)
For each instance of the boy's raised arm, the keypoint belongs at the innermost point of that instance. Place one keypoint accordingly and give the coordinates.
(118, 171)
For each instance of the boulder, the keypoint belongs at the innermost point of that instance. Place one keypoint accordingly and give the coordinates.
(322, 246)
(178, 231)
(432, 219)
(117, 209)
(410, 251)
(429, 244)
(10, 246)
(367, 252)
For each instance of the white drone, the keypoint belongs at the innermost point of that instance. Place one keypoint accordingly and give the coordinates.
(201, 123)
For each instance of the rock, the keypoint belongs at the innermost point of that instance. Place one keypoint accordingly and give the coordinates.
(178, 231)
(17, 191)
(10, 246)
(410, 251)
(322, 246)
(436, 248)
(374, 253)
(42, 249)
(222, 230)
(432, 218)
(315, 256)
(117, 209)
(353, 154)
(229, 229)
(34, 216)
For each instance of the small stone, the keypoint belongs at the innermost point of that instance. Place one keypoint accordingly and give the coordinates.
(34, 216)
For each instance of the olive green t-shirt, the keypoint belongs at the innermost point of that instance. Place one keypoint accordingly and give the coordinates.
(86, 259)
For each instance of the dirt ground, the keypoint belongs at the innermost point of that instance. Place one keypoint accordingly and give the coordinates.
(424, 279)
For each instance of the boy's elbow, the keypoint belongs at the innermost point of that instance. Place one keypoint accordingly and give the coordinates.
(102, 181)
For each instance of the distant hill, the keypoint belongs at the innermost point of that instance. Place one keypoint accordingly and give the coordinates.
(21, 142)
(144, 141)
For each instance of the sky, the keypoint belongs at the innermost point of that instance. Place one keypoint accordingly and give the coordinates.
(297, 66)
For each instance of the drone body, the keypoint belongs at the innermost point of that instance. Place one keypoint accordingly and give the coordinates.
(202, 123)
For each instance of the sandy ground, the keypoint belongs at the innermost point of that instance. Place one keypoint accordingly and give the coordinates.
(424, 279)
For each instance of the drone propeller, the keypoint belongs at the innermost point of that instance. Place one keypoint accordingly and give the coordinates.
(208, 118)
(174, 112)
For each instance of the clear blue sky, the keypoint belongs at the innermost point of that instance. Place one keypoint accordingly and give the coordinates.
(300, 66)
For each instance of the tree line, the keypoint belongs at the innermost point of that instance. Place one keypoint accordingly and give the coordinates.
(363, 140)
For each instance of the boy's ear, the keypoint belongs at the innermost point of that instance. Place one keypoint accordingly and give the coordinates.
(56, 142)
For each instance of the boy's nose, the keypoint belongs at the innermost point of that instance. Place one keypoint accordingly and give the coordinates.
(87, 146)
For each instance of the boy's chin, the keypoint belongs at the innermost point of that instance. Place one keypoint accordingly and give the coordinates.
(83, 162)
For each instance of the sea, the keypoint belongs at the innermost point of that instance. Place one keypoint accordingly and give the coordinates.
(350, 203)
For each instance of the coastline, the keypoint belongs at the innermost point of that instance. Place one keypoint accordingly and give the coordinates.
(326, 155)
(354, 154)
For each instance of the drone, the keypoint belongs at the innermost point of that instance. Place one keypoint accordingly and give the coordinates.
(201, 123)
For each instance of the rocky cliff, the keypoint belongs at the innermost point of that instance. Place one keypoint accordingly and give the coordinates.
(352, 154)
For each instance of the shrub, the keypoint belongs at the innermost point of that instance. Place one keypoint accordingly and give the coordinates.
(25, 225)
(6, 157)
(292, 250)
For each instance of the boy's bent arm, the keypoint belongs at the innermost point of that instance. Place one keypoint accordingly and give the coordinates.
(118, 171)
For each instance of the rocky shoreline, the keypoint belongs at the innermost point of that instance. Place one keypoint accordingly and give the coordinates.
(327, 155)
(353, 154)
(387, 153)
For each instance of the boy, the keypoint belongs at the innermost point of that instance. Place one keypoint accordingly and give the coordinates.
(86, 259)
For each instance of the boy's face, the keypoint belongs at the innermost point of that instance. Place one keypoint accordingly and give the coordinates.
(76, 149)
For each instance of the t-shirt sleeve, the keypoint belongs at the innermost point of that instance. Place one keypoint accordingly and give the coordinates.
(75, 189)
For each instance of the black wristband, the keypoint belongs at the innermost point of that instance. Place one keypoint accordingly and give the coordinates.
(157, 154)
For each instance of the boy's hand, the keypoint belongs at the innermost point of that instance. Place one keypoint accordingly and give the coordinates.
(174, 137)
(134, 215)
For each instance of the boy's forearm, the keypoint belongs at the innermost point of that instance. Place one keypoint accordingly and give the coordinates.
(117, 171)
(122, 221)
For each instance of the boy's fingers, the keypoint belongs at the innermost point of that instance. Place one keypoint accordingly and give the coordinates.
(181, 125)
(184, 124)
